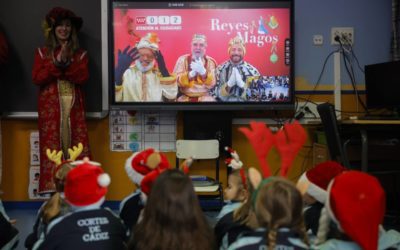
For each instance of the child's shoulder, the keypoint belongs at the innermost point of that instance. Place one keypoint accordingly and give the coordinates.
(286, 239)
(334, 244)
(388, 239)
(227, 208)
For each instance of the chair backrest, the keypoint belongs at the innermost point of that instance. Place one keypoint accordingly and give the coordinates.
(198, 150)
(328, 117)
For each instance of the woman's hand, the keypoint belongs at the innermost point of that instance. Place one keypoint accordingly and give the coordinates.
(63, 55)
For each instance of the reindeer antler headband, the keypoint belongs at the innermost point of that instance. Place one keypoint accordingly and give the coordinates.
(288, 141)
(56, 157)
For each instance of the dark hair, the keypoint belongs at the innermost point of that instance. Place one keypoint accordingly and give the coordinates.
(279, 204)
(172, 217)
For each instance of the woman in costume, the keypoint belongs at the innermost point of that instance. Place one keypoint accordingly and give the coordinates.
(60, 69)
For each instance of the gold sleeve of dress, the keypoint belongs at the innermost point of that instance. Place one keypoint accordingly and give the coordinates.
(168, 80)
(207, 81)
(185, 82)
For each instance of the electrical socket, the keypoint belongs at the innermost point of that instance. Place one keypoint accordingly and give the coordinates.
(346, 35)
(318, 40)
(311, 112)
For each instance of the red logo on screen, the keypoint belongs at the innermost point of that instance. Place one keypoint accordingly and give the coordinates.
(141, 20)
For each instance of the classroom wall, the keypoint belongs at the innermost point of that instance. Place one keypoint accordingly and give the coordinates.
(16, 156)
(371, 21)
(372, 45)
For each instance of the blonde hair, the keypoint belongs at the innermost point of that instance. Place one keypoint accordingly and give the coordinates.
(245, 213)
(242, 184)
(323, 228)
(53, 207)
(279, 204)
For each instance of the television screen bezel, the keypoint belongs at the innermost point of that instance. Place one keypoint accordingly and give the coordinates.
(282, 105)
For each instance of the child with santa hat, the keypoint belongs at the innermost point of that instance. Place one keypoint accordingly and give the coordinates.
(142, 169)
(88, 226)
(313, 185)
(56, 205)
(356, 204)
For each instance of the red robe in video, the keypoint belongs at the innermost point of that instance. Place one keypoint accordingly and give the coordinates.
(61, 109)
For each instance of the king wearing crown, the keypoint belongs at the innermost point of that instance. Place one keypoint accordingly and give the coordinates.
(148, 79)
(234, 74)
(196, 73)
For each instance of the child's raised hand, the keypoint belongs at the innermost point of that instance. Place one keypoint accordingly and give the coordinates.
(233, 162)
(186, 165)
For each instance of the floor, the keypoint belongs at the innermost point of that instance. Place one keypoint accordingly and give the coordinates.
(25, 220)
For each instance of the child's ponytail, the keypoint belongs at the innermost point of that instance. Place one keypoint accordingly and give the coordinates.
(303, 233)
(323, 228)
(52, 208)
(271, 236)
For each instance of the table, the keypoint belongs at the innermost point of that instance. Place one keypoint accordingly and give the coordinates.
(365, 126)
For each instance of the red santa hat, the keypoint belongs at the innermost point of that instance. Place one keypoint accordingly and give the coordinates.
(356, 202)
(316, 180)
(86, 184)
(144, 167)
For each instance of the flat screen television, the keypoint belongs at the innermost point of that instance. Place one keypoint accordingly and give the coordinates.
(195, 39)
(382, 85)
